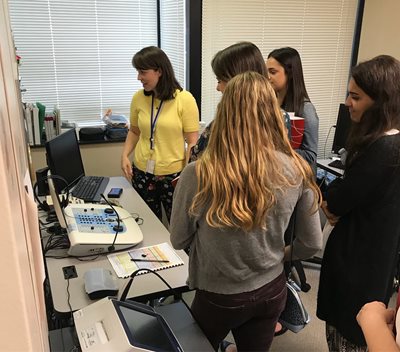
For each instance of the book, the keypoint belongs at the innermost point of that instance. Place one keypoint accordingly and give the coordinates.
(57, 118)
(42, 115)
(36, 129)
(297, 130)
(157, 257)
(29, 124)
(49, 127)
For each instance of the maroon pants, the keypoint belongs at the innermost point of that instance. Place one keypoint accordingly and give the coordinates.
(251, 316)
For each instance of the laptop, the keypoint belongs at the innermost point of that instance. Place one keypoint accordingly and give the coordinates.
(64, 159)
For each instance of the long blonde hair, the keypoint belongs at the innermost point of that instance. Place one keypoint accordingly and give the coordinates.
(240, 172)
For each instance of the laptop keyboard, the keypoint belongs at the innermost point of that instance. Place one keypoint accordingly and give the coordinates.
(90, 188)
(337, 164)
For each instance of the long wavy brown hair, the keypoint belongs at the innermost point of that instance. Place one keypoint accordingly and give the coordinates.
(240, 172)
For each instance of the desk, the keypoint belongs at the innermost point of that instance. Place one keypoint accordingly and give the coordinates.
(323, 164)
(148, 285)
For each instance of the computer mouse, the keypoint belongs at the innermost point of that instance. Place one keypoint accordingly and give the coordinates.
(100, 283)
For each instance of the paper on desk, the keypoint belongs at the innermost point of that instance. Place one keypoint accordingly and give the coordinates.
(124, 266)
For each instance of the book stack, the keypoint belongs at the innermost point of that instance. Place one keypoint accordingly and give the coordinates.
(37, 121)
(49, 127)
(31, 114)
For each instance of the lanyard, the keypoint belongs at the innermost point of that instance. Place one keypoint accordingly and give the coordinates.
(153, 121)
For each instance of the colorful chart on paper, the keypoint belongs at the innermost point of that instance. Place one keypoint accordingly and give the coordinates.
(124, 266)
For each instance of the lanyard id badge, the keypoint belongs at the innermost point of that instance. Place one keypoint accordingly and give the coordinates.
(153, 121)
(150, 166)
(151, 163)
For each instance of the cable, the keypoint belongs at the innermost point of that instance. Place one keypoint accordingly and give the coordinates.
(137, 218)
(68, 300)
(112, 247)
(326, 139)
(56, 241)
(43, 205)
(133, 275)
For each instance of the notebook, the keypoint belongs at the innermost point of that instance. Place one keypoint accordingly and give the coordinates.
(157, 257)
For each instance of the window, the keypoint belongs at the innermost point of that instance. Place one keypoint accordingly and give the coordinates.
(322, 31)
(173, 34)
(77, 54)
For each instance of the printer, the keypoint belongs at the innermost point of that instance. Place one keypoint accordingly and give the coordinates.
(112, 325)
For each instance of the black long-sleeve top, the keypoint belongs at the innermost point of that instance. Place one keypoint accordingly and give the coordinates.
(360, 257)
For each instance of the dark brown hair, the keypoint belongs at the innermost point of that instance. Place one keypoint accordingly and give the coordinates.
(238, 58)
(296, 94)
(379, 78)
(153, 58)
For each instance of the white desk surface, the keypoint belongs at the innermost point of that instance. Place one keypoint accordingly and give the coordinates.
(323, 164)
(154, 232)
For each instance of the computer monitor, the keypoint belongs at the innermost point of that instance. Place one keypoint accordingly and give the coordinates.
(343, 125)
(64, 159)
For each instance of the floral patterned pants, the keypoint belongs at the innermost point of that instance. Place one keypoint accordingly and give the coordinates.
(337, 343)
(155, 190)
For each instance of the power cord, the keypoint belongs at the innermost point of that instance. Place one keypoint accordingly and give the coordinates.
(117, 229)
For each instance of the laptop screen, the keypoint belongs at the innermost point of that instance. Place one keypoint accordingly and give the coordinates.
(64, 159)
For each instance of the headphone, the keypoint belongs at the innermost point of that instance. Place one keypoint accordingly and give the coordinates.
(44, 205)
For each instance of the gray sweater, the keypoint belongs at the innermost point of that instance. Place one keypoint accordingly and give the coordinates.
(227, 260)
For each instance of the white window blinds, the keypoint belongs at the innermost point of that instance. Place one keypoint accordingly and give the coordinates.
(173, 34)
(321, 30)
(77, 54)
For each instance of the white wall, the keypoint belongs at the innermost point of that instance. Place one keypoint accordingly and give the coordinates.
(98, 159)
(380, 29)
(23, 325)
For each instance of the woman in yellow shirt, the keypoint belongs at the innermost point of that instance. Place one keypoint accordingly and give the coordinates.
(164, 118)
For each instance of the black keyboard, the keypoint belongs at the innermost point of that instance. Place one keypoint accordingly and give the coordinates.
(90, 188)
(337, 164)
